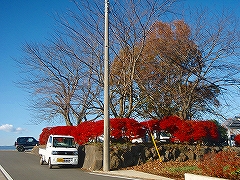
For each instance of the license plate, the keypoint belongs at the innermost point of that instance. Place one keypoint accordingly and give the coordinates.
(60, 160)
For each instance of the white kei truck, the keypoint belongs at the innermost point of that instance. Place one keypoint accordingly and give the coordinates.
(60, 150)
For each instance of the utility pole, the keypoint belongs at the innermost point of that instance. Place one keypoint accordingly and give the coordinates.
(106, 143)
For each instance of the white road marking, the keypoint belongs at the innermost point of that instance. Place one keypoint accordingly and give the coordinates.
(5, 173)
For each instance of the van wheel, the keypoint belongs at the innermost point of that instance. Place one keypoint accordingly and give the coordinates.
(49, 163)
(41, 160)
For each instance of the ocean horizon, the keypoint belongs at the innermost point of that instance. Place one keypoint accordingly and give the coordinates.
(9, 148)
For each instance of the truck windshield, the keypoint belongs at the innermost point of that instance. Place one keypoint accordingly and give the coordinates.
(63, 142)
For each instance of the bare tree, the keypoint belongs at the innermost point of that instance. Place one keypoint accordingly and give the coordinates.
(129, 22)
(218, 39)
(59, 83)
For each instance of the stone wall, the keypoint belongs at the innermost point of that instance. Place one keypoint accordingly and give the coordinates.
(127, 155)
(91, 157)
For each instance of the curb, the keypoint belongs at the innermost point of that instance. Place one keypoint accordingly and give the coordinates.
(132, 174)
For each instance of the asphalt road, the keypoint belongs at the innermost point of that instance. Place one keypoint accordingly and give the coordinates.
(25, 166)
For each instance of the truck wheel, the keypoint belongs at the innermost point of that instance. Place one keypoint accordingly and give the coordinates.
(41, 160)
(49, 163)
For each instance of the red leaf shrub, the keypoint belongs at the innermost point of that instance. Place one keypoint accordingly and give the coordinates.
(151, 125)
(237, 140)
(43, 137)
(179, 128)
(224, 164)
(98, 128)
(212, 129)
(189, 130)
(170, 124)
(84, 132)
(125, 127)
(206, 131)
(185, 131)
(200, 130)
(61, 130)
(133, 128)
(117, 128)
(90, 130)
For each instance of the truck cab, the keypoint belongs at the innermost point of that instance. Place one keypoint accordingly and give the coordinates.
(60, 150)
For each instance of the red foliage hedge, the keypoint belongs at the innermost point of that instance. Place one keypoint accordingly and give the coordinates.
(190, 131)
(185, 131)
(61, 130)
(237, 140)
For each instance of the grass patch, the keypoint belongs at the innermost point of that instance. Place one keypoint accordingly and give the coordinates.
(185, 169)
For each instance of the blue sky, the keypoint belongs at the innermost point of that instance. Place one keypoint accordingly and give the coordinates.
(32, 21)
(21, 21)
